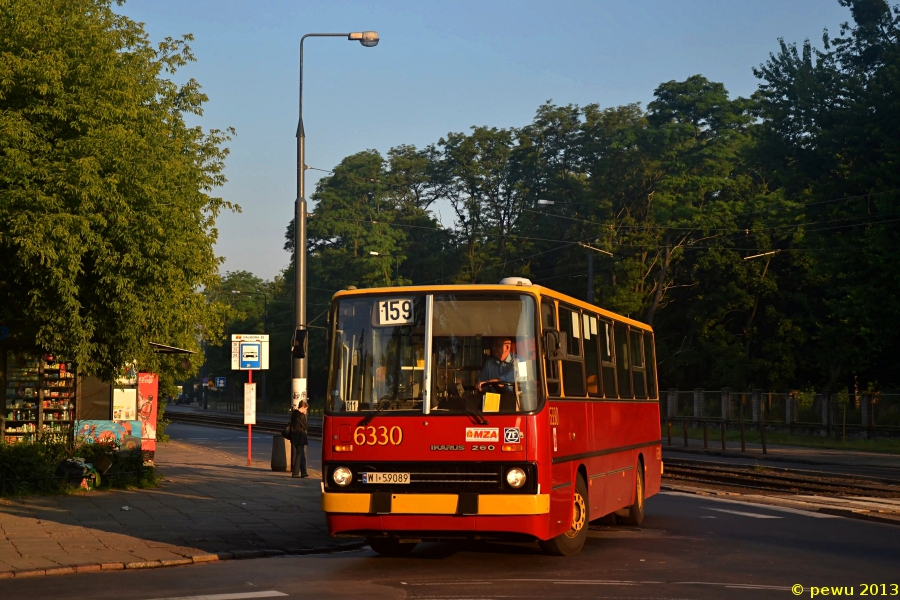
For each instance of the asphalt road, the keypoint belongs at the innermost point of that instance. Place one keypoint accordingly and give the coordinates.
(689, 547)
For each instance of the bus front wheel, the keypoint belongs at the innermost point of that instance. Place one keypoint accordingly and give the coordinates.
(572, 541)
(390, 546)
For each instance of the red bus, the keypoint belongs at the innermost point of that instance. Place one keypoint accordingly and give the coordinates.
(507, 412)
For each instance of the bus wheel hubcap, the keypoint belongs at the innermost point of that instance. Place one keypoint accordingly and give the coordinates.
(578, 516)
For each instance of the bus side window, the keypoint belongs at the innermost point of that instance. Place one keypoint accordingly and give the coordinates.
(623, 369)
(573, 366)
(608, 359)
(592, 336)
(650, 354)
(638, 367)
(548, 321)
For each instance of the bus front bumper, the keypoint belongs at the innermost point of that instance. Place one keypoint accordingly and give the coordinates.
(435, 504)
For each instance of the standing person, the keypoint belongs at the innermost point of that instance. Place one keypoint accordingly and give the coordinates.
(299, 440)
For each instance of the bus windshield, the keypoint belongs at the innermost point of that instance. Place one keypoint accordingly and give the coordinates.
(483, 354)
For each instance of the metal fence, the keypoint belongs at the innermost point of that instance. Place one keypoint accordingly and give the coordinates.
(865, 415)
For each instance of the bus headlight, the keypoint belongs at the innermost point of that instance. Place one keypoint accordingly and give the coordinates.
(515, 477)
(342, 476)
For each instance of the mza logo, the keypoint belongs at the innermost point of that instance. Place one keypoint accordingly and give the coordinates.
(482, 434)
(512, 435)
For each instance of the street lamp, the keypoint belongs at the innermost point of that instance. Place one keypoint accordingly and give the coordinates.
(374, 254)
(368, 39)
(590, 284)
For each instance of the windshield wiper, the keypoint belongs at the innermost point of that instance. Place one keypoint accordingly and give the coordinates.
(475, 414)
(385, 402)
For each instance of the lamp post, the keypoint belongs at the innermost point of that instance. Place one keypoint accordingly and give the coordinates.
(298, 365)
(591, 249)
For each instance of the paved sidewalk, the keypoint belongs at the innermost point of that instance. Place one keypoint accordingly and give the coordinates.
(209, 503)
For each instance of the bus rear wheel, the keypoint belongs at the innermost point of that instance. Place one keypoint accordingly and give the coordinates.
(636, 510)
(390, 546)
(572, 541)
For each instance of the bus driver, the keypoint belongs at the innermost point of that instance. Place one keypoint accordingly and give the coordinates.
(500, 366)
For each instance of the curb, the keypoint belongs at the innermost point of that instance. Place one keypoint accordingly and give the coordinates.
(192, 560)
(825, 510)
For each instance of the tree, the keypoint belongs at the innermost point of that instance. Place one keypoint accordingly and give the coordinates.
(107, 218)
(478, 175)
(832, 135)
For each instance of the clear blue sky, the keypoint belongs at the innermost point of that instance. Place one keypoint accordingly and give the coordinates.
(441, 66)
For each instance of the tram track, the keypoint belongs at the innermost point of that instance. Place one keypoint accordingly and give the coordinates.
(776, 479)
(266, 425)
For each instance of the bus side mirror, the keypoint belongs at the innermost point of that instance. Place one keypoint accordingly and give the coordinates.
(555, 344)
(299, 343)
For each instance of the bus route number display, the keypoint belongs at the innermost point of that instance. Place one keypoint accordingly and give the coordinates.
(395, 311)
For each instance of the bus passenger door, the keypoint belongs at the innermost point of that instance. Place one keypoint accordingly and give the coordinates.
(598, 433)
(620, 423)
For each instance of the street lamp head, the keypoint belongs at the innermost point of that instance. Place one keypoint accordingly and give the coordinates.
(543, 202)
(373, 253)
(235, 291)
(369, 39)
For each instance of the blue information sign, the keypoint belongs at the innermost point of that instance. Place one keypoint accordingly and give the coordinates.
(251, 355)
(220, 382)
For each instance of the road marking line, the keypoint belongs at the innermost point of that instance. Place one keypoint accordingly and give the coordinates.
(796, 511)
(613, 582)
(744, 514)
(237, 596)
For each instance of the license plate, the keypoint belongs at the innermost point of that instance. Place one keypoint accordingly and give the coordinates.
(385, 477)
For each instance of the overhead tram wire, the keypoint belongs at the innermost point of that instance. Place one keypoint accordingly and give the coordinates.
(737, 233)
(799, 206)
(715, 229)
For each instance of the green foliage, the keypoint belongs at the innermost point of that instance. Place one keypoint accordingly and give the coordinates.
(161, 422)
(832, 130)
(31, 468)
(106, 213)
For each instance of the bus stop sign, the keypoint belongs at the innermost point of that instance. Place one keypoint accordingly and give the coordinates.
(249, 352)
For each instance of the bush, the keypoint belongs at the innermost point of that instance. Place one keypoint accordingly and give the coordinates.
(29, 468)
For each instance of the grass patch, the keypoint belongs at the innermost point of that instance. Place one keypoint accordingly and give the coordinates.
(751, 435)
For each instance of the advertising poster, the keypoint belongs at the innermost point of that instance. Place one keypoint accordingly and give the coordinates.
(147, 404)
(249, 404)
(126, 433)
(124, 404)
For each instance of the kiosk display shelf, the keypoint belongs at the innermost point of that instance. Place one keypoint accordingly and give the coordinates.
(39, 398)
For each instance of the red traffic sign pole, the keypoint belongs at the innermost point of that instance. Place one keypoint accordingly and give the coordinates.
(249, 430)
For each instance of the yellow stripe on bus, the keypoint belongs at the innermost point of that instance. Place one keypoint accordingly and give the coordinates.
(514, 505)
(439, 504)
